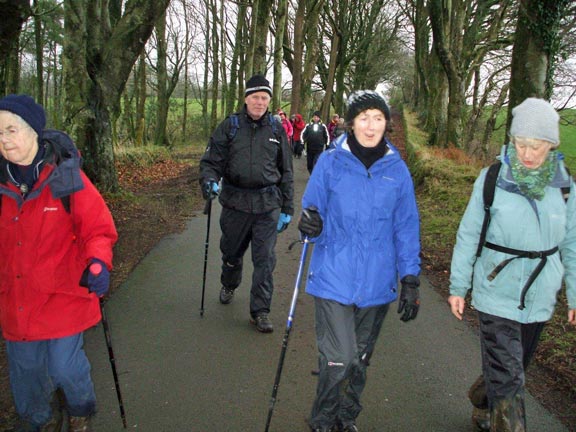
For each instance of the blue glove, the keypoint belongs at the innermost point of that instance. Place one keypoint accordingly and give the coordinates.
(283, 222)
(210, 189)
(96, 277)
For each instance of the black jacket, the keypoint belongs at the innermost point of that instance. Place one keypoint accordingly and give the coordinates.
(255, 165)
(315, 136)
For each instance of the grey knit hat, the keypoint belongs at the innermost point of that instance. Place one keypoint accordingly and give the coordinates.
(362, 100)
(535, 118)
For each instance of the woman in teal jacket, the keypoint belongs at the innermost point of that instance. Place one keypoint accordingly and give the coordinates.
(360, 209)
(530, 245)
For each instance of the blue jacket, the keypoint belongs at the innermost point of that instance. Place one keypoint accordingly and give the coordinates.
(371, 229)
(518, 223)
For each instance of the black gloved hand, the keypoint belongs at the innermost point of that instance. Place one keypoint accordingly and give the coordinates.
(409, 301)
(210, 189)
(310, 223)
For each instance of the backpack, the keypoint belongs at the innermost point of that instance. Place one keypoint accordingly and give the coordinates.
(488, 198)
(235, 125)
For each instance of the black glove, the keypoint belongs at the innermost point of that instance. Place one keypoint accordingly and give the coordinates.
(210, 189)
(409, 301)
(310, 223)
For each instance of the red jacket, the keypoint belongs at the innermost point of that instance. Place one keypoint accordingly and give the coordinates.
(287, 127)
(44, 249)
(298, 126)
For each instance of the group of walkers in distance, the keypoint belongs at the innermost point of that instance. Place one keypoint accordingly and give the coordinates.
(359, 209)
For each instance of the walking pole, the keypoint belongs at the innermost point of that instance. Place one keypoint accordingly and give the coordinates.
(207, 211)
(287, 332)
(112, 362)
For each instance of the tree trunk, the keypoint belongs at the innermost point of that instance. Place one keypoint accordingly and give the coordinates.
(14, 14)
(295, 101)
(421, 52)
(281, 15)
(312, 48)
(535, 46)
(215, 65)
(236, 78)
(162, 102)
(260, 36)
(141, 100)
(39, 49)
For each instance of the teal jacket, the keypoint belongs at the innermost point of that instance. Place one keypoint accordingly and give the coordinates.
(518, 223)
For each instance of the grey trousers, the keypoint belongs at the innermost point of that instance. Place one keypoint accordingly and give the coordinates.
(239, 230)
(346, 336)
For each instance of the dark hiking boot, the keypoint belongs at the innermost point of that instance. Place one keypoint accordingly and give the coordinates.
(350, 427)
(79, 424)
(481, 419)
(226, 295)
(509, 415)
(262, 323)
(24, 426)
(53, 425)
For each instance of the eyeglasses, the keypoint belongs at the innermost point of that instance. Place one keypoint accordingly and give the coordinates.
(9, 133)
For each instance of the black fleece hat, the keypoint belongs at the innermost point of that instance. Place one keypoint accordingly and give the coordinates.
(316, 113)
(25, 107)
(256, 84)
(362, 100)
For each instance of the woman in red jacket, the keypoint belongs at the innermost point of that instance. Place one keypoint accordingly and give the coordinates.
(298, 126)
(55, 229)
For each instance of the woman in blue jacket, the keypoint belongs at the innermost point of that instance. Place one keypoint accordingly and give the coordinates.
(530, 245)
(360, 209)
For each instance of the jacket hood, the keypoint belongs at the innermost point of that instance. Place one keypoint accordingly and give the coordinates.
(64, 159)
(61, 151)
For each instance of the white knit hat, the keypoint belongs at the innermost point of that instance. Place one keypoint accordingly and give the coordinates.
(535, 118)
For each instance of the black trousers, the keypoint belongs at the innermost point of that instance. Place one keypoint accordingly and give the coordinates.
(346, 336)
(507, 348)
(239, 230)
(312, 156)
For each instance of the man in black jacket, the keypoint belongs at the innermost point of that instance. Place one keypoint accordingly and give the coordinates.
(315, 137)
(251, 155)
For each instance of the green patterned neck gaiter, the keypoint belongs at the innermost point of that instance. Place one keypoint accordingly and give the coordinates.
(532, 182)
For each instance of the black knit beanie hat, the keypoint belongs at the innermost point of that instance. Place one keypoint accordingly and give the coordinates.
(316, 113)
(25, 107)
(362, 100)
(256, 84)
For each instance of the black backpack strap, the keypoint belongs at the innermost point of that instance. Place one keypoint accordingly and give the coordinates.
(66, 203)
(488, 196)
(234, 126)
(566, 189)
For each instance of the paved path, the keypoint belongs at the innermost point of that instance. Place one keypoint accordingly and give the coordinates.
(180, 372)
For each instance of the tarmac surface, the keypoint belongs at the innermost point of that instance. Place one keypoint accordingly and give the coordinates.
(182, 372)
